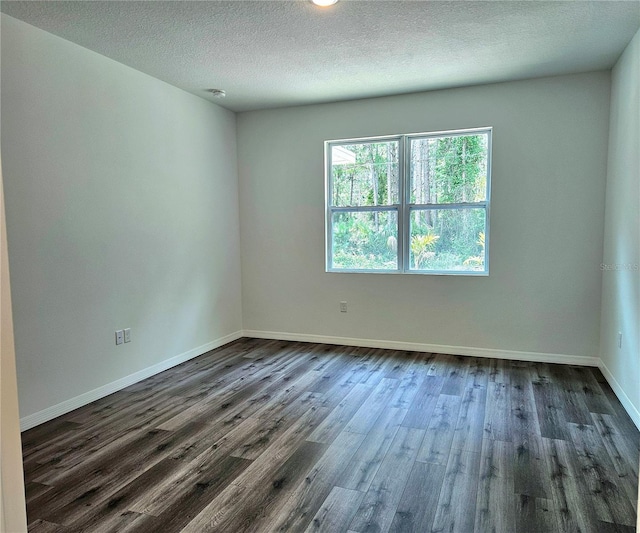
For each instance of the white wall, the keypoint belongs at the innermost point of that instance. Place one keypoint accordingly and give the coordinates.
(122, 211)
(549, 166)
(621, 279)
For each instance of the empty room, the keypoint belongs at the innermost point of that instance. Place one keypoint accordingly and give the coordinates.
(369, 266)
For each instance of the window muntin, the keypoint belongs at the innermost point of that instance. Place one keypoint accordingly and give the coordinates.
(409, 203)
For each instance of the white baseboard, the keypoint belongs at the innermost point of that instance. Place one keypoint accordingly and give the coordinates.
(622, 396)
(69, 405)
(535, 357)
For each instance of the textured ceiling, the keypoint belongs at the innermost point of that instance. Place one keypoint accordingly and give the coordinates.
(272, 53)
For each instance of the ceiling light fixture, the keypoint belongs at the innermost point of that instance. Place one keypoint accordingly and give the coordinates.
(323, 3)
(217, 93)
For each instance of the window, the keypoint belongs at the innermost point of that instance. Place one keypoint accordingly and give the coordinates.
(409, 203)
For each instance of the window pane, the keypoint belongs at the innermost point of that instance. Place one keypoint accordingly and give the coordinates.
(449, 170)
(364, 174)
(448, 239)
(365, 240)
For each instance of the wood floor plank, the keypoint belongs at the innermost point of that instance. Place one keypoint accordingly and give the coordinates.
(496, 500)
(307, 498)
(500, 371)
(141, 524)
(365, 417)
(469, 429)
(265, 436)
(437, 441)
(535, 515)
(184, 502)
(622, 451)
(286, 396)
(359, 473)
(264, 349)
(91, 441)
(401, 362)
(424, 403)
(241, 427)
(107, 477)
(281, 448)
(523, 419)
(549, 405)
(608, 527)
(35, 472)
(455, 381)
(456, 507)
(387, 362)
(336, 512)
(610, 501)
(73, 494)
(497, 412)
(120, 453)
(260, 493)
(343, 412)
(438, 365)
(236, 396)
(417, 508)
(258, 441)
(105, 513)
(478, 374)
(42, 526)
(408, 386)
(274, 422)
(34, 490)
(178, 473)
(574, 404)
(377, 510)
(594, 397)
(191, 488)
(50, 432)
(575, 509)
(208, 436)
(530, 473)
(354, 366)
(119, 522)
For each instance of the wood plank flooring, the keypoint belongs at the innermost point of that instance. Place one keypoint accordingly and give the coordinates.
(269, 436)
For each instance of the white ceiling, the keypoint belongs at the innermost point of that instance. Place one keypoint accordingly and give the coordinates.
(273, 53)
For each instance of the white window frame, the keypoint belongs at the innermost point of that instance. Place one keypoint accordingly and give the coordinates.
(404, 208)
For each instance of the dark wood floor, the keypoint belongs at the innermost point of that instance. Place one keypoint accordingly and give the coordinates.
(279, 436)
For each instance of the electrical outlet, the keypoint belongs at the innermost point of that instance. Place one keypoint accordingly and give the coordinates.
(619, 339)
(343, 307)
(119, 337)
(127, 335)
